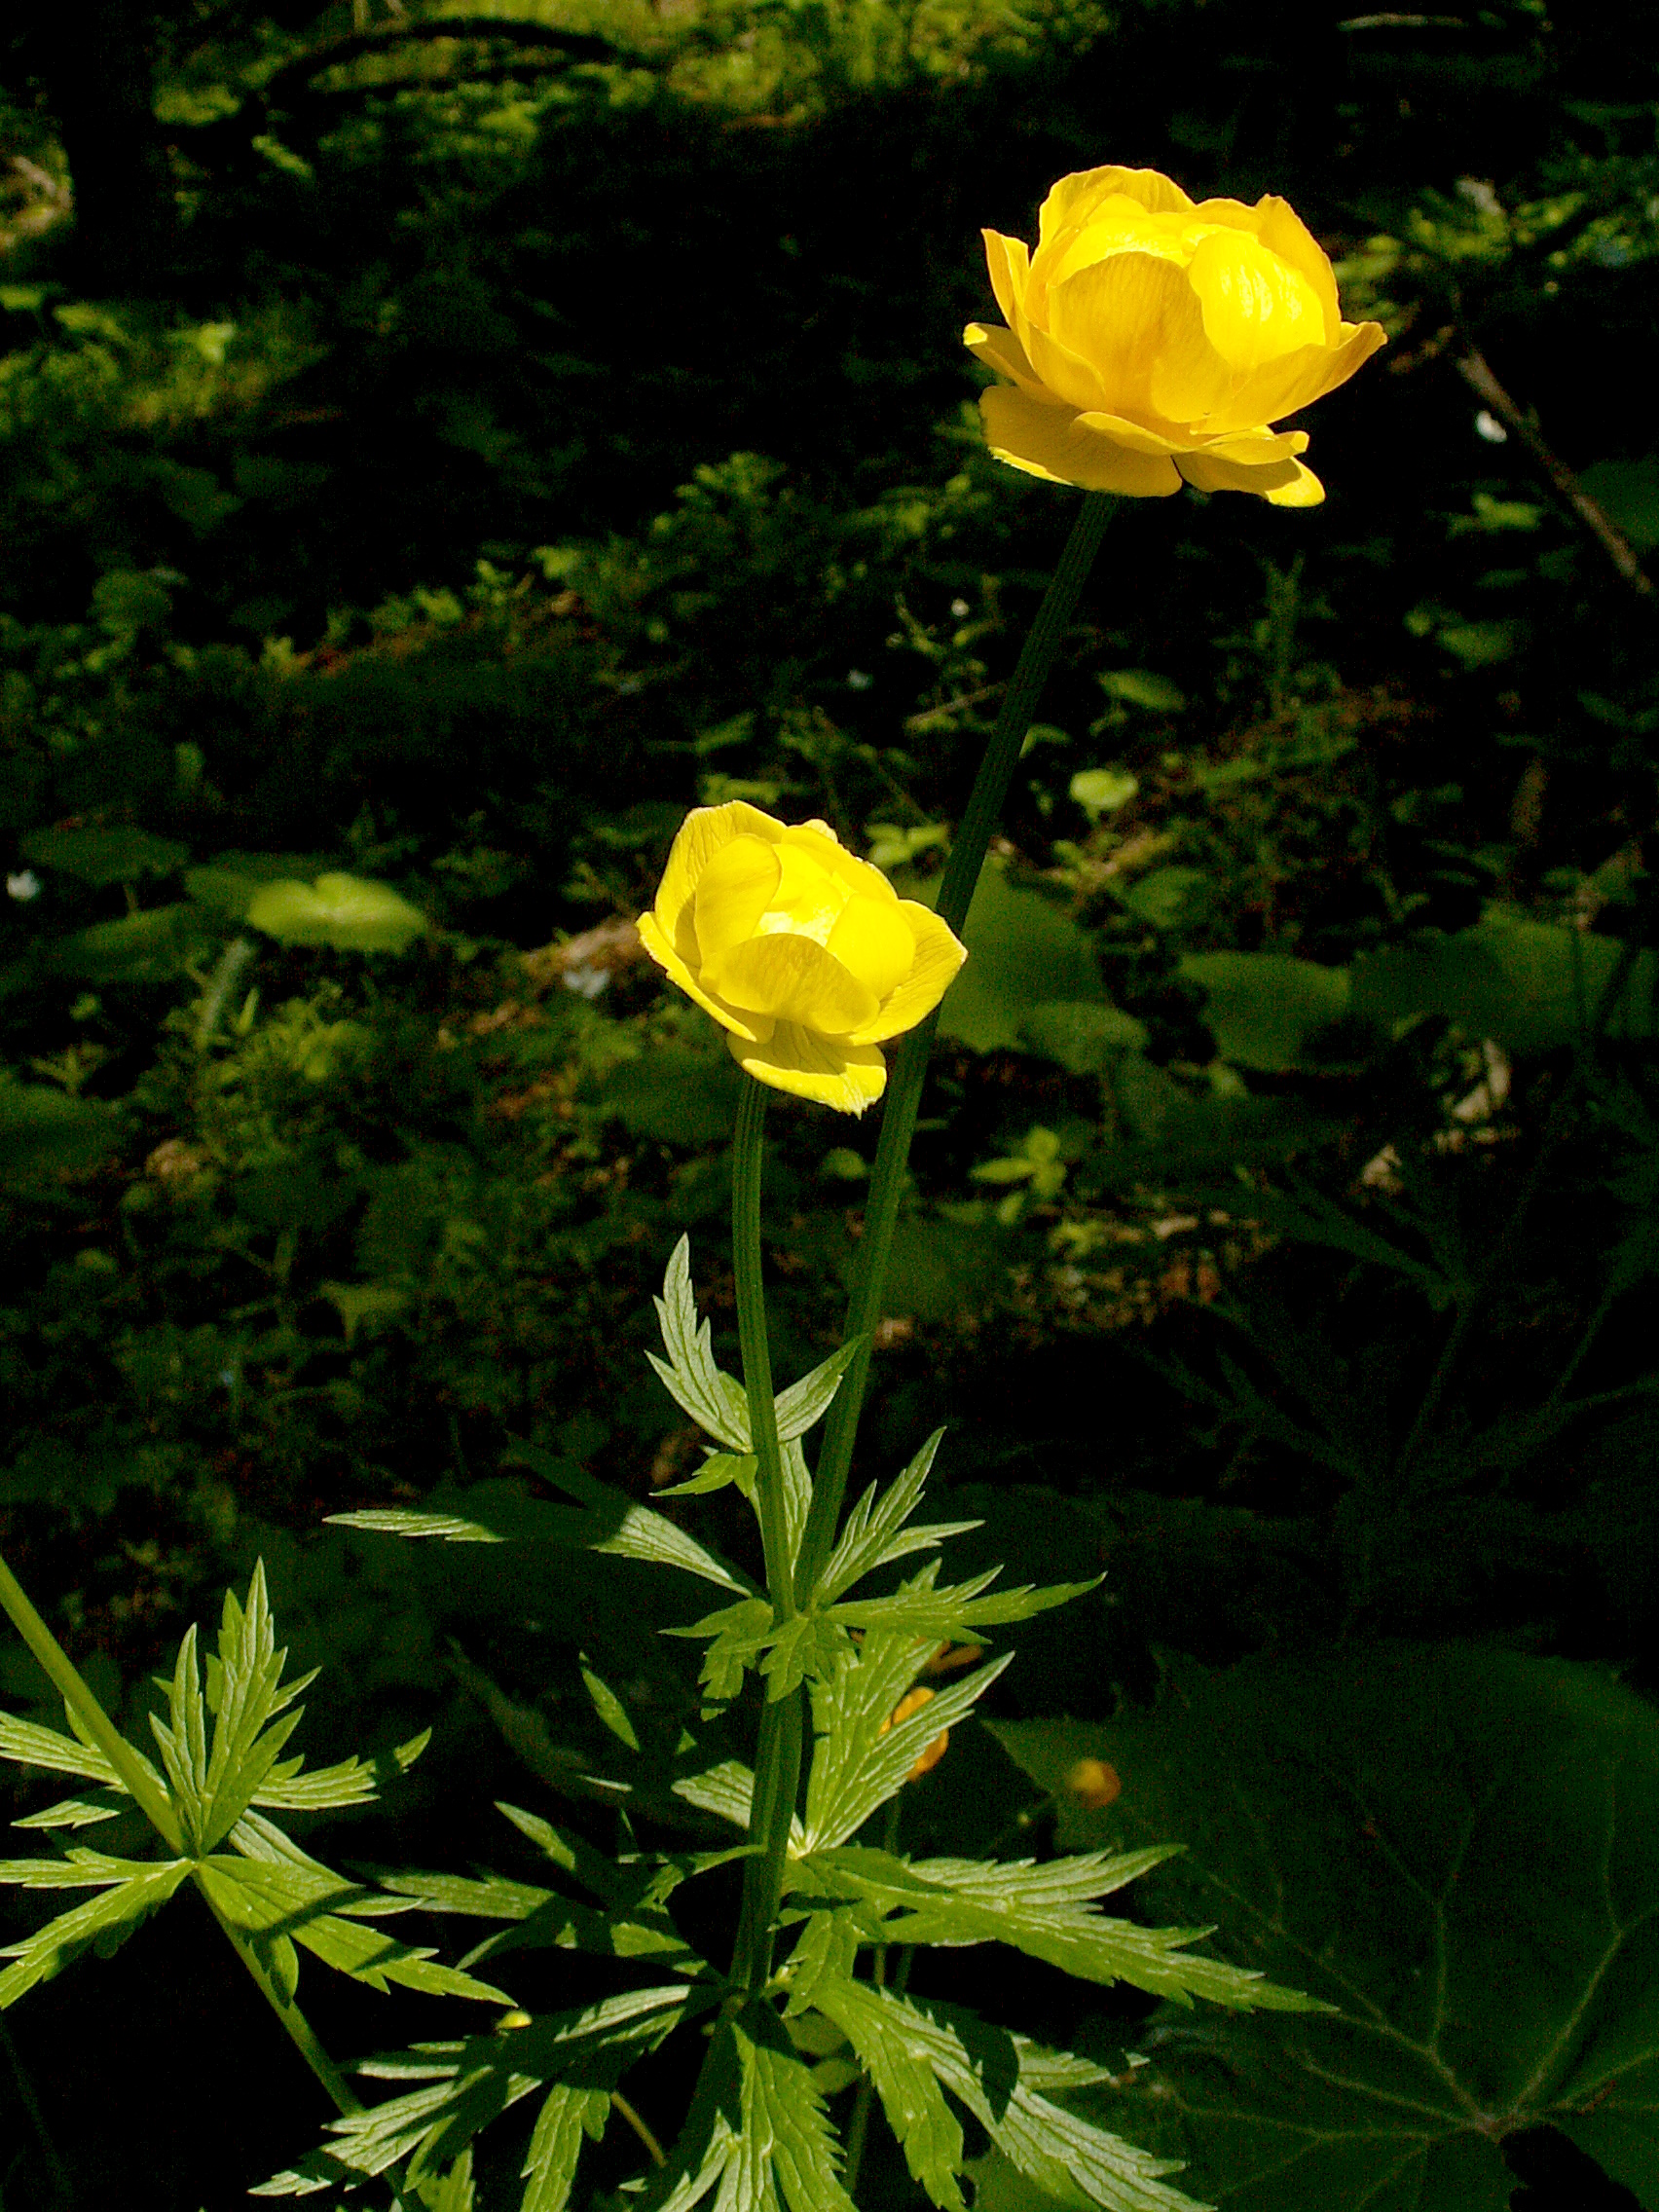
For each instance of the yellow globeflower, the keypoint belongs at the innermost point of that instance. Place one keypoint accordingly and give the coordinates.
(806, 957)
(1154, 340)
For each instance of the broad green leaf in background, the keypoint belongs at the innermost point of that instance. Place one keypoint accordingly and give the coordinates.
(1529, 984)
(1022, 951)
(1263, 1007)
(101, 857)
(148, 947)
(1628, 493)
(1458, 1849)
(345, 912)
(46, 1133)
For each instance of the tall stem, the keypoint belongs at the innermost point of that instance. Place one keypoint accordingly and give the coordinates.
(777, 1757)
(748, 1156)
(134, 1773)
(904, 1090)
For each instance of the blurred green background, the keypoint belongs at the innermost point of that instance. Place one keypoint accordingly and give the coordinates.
(442, 445)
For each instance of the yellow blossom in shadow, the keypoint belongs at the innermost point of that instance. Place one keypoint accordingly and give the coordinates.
(805, 955)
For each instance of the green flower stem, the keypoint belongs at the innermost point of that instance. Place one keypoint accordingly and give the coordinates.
(905, 1090)
(748, 1155)
(777, 1779)
(777, 1758)
(295, 2026)
(154, 1803)
(136, 1778)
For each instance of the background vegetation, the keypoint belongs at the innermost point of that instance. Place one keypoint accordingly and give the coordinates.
(440, 447)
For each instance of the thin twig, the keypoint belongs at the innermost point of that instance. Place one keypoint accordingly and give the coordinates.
(1476, 372)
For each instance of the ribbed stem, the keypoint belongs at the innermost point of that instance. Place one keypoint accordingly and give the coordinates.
(748, 1157)
(967, 852)
(777, 1779)
(777, 1757)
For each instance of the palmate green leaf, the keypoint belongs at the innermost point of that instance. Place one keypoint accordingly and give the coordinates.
(214, 1781)
(927, 2130)
(30, 1744)
(132, 1890)
(1002, 2079)
(569, 2117)
(715, 1400)
(697, 1386)
(275, 1902)
(605, 1520)
(630, 1923)
(1456, 1848)
(75, 1813)
(1047, 1911)
(467, 2085)
(875, 1533)
(737, 1637)
(860, 1759)
(961, 1609)
(352, 1782)
(758, 2136)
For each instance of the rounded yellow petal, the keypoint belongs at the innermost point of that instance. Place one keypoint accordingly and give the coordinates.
(874, 942)
(855, 875)
(1066, 376)
(1001, 349)
(809, 896)
(733, 892)
(1074, 198)
(1256, 307)
(703, 832)
(1045, 439)
(1136, 321)
(831, 1071)
(1303, 490)
(938, 955)
(751, 1028)
(1008, 263)
(794, 979)
(1283, 232)
(1283, 482)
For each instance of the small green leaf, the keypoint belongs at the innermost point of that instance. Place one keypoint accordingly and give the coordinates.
(874, 1533)
(100, 856)
(960, 1610)
(569, 2117)
(609, 1707)
(1103, 790)
(342, 911)
(808, 1401)
(1000, 2079)
(711, 1398)
(131, 1891)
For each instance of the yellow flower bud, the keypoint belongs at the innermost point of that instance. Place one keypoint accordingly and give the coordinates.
(913, 1701)
(1094, 1785)
(806, 957)
(1154, 340)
